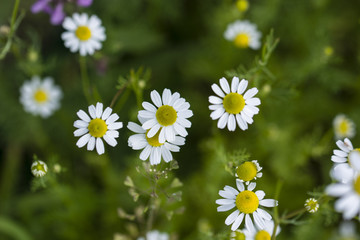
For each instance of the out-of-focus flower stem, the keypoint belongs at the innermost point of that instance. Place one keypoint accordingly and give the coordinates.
(279, 185)
(85, 79)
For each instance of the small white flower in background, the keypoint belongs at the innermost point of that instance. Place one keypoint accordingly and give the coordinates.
(233, 105)
(40, 97)
(348, 192)
(155, 235)
(237, 235)
(39, 168)
(244, 34)
(153, 149)
(100, 124)
(169, 115)
(262, 233)
(84, 33)
(343, 127)
(247, 203)
(311, 205)
(248, 171)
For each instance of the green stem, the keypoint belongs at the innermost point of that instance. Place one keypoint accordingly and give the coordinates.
(117, 95)
(279, 185)
(85, 79)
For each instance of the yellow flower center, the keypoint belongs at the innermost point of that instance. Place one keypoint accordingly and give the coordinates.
(242, 40)
(311, 205)
(83, 33)
(166, 115)
(246, 171)
(247, 202)
(357, 185)
(234, 103)
(154, 140)
(39, 167)
(239, 236)
(97, 127)
(242, 5)
(40, 96)
(262, 235)
(328, 51)
(344, 127)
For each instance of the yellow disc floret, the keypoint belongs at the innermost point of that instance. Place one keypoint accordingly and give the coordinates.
(311, 205)
(262, 235)
(40, 96)
(154, 140)
(166, 115)
(247, 202)
(242, 40)
(97, 127)
(234, 103)
(246, 171)
(344, 127)
(239, 236)
(242, 5)
(357, 185)
(83, 33)
(39, 167)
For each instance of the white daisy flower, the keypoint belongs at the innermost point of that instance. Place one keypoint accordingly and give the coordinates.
(102, 124)
(153, 149)
(248, 171)
(311, 205)
(247, 203)
(349, 191)
(262, 233)
(237, 235)
(155, 235)
(169, 115)
(244, 34)
(232, 105)
(39, 168)
(40, 97)
(84, 33)
(343, 127)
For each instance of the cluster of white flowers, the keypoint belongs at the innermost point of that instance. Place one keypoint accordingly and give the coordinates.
(247, 203)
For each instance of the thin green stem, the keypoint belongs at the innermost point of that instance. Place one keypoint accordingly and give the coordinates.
(113, 101)
(279, 185)
(85, 79)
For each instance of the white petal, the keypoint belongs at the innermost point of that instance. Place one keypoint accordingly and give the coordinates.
(231, 189)
(149, 124)
(337, 189)
(337, 159)
(169, 133)
(249, 224)
(215, 100)
(145, 153)
(260, 194)
(340, 153)
(155, 97)
(227, 194)
(166, 96)
(342, 146)
(80, 132)
(241, 122)
(242, 86)
(225, 208)
(231, 122)
(232, 217)
(110, 140)
(224, 201)
(99, 109)
(100, 146)
(253, 101)
(146, 114)
(264, 214)
(223, 120)
(217, 113)
(258, 220)
(237, 222)
(135, 127)
(268, 202)
(251, 186)
(149, 107)
(106, 113)
(153, 130)
(115, 126)
(83, 116)
(217, 90)
(91, 144)
(180, 130)
(250, 93)
(166, 154)
(83, 140)
(354, 158)
(215, 107)
(348, 143)
(240, 185)
(113, 117)
(80, 124)
(92, 111)
(162, 135)
(234, 84)
(225, 85)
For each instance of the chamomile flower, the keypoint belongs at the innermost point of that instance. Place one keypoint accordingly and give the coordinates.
(155, 235)
(261, 233)
(40, 97)
(39, 168)
(343, 127)
(247, 203)
(348, 192)
(84, 33)
(311, 205)
(248, 171)
(244, 34)
(169, 116)
(233, 105)
(100, 124)
(237, 235)
(152, 148)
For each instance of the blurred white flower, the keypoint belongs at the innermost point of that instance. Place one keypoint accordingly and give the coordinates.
(40, 97)
(102, 124)
(248, 171)
(39, 168)
(262, 233)
(237, 235)
(247, 203)
(244, 34)
(153, 149)
(84, 33)
(311, 205)
(233, 105)
(155, 235)
(343, 127)
(169, 116)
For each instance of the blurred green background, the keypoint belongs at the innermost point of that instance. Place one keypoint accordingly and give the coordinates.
(182, 42)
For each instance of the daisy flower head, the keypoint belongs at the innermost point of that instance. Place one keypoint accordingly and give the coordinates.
(152, 148)
(348, 192)
(84, 33)
(100, 125)
(237, 235)
(39, 168)
(311, 205)
(261, 233)
(246, 203)
(155, 235)
(40, 97)
(244, 34)
(248, 171)
(343, 127)
(233, 104)
(169, 116)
